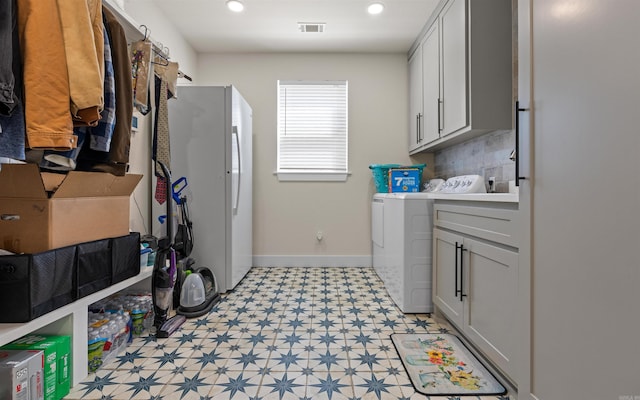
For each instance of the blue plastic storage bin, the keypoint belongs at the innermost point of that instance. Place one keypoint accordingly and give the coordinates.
(381, 176)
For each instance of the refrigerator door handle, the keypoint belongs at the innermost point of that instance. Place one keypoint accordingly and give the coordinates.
(236, 143)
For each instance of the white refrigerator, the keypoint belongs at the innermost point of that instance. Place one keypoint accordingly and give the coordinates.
(211, 145)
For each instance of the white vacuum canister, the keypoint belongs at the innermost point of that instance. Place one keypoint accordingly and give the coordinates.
(193, 293)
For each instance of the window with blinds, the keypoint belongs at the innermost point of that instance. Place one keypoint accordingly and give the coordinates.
(312, 130)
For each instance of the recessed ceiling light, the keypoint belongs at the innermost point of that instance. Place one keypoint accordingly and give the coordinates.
(375, 8)
(235, 5)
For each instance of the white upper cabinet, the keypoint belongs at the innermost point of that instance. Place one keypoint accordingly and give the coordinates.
(431, 85)
(466, 79)
(424, 91)
(415, 100)
(453, 58)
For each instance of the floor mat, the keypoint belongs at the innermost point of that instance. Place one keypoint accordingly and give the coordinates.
(439, 364)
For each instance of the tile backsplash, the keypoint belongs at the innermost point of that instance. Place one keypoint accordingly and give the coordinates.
(487, 155)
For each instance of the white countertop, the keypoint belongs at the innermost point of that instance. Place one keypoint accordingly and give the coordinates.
(494, 197)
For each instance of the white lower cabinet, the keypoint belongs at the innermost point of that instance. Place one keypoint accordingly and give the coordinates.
(476, 280)
(446, 265)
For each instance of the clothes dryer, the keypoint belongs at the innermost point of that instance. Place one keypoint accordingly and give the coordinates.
(401, 234)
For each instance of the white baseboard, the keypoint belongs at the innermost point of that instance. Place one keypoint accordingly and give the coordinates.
(312, 261)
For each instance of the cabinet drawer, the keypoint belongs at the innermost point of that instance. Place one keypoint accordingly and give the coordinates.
(496, 224)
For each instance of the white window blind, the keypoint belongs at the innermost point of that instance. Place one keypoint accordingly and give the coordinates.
(312, 127)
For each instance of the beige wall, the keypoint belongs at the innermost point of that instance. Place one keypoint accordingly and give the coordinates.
(142, 204)
(287, 215)
(144, 12)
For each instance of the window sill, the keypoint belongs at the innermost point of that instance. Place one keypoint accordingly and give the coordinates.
(326, 176)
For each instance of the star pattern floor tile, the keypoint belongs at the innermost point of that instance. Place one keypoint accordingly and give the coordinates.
(281, 334)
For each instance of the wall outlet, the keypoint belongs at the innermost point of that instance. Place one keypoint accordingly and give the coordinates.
(492, 184)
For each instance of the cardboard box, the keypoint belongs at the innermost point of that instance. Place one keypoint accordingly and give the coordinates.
(402, 180)
(21, 374)
(44, 211)
(63, 362)
(57, 361)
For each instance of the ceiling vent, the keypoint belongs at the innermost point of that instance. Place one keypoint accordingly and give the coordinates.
(312, 27)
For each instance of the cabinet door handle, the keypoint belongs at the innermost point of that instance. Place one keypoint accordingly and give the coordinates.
(518, 110)
(439, 105)
(462, 294)
(455, 268)
(418, 128)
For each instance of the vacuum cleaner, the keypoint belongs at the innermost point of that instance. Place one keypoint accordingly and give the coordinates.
(196, 288)
(164, 274)
(199, 293)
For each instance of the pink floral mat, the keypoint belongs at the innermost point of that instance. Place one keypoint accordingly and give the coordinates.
(439, 364)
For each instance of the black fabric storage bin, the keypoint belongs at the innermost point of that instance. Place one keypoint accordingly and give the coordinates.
(125, 257)
(34, 284)
(93, 269)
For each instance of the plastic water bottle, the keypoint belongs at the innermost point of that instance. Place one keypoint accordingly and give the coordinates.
(137, 315)
(94, 349)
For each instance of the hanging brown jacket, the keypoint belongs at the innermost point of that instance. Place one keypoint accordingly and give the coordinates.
(46, 83)
(82, 31)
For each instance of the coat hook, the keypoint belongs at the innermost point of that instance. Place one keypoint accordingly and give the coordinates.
(146, 32)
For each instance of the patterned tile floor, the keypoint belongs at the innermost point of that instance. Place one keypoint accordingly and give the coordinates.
(283, 333)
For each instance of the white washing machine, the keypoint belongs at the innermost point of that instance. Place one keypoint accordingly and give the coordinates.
(402, 228)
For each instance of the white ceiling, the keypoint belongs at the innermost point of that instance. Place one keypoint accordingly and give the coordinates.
(271, 25)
